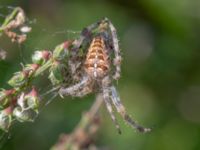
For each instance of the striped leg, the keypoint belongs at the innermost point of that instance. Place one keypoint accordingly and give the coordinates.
(80, 89)
(121, 109)
(118, 58)
(107, 101)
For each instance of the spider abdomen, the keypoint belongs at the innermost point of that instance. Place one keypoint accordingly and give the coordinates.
(96, 63)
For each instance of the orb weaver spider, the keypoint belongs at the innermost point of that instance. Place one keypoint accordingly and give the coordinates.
(95, 70)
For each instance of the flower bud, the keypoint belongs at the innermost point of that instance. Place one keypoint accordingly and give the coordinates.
(19, 79)
(56, 73)
(20, 17)
(29, 101)
(31, 68)
(40, 57)
(5, 97)
(32, 99)
(24, 115)
(6, 118)
(62, 51)
(21, 101)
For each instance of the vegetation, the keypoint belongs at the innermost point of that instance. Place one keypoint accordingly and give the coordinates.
(159, 41)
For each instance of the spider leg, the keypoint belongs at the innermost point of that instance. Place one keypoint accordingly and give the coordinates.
(80, 89)
(106, 97)
(84, 91)
(107, 101)
(121, 109)
(118, 58)
(85, 35)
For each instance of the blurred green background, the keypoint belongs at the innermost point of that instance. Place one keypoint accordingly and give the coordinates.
(160, 84)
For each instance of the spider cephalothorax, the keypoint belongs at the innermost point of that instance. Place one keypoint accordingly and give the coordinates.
(97, 72)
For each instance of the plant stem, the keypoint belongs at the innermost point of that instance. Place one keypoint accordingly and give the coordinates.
(9, 18)
(70, 143)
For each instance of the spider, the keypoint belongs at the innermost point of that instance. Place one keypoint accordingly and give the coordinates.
(95, 71)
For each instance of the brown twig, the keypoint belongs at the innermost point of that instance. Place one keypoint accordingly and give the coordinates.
(15, 20)
(82, 136)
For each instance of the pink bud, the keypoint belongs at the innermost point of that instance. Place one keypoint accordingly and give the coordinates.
(9, 92)
(46, 54)
(8, 110)
(66, 44)
(33, 92)
(34, 67)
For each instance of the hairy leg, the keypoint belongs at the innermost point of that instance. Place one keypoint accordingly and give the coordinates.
(121, 109)
(80, 89)
(107, 101)
(106, 97)
(118, 58)
(85, 35)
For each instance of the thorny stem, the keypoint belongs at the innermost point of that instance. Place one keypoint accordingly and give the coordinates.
(83, 125)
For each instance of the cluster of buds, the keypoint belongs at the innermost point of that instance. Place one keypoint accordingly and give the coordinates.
(22, 108)
(16, 20)
(15, 104)
(41, 57)
(27, 106)
(22, 78)
(59, 56)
